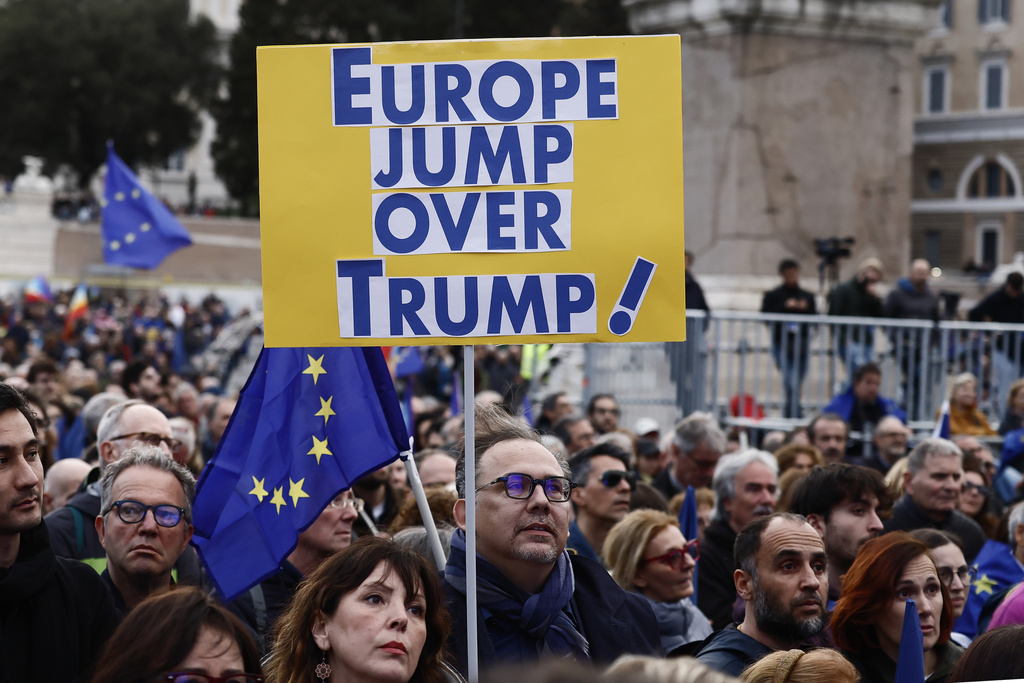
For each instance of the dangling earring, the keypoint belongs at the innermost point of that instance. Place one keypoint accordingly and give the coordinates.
(323, 669)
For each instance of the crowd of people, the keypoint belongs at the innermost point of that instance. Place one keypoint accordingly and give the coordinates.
(808, 544)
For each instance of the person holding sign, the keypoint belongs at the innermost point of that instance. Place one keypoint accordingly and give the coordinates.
(534, 598)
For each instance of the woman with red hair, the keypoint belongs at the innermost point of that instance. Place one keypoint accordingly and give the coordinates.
(867, 623)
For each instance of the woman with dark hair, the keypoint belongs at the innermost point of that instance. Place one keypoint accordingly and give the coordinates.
(372, 612)
(867, 623)
(993, 656)
(179, 635)
(976, 500)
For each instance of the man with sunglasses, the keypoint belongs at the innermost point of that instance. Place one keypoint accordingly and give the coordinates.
(55, 613)
(535, 600)
(72, 528)
(144, 523)
(604, 486)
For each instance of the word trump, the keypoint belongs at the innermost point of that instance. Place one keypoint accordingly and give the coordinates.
(479, 91)
(372, 305)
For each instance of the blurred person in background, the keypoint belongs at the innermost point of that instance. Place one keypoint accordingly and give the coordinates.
(648, 554)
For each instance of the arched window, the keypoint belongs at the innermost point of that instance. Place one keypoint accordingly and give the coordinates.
(991, 180)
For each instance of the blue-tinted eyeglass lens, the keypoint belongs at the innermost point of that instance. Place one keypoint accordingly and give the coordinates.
(554, 488)
(167, 515)
(518, 486)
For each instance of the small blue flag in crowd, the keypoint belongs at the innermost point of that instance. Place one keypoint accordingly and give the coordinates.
(941, 430)
(910, 662)
(308, 424)
(688, 525)
(455, 402)
(137, 229)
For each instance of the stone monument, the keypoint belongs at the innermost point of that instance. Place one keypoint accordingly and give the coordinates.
(797, 125)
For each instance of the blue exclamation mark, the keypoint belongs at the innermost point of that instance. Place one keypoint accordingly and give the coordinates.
(624, 314)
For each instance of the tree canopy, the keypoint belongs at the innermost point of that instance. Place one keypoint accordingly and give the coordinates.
(77, 73)
(298, 22)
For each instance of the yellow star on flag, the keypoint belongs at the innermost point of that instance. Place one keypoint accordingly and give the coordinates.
(115, 245)
(145, 227)
(136, 194)
(119, 196)
(983, 584)
(129, 238)
(315, 368)
(295, 491)
(325, 410)
(258, 489)
(278, 499)
(319, 448)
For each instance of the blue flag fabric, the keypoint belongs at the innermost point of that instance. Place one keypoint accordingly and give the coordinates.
(527, 409)
(941, 430)
(308, 424)
(455, 402)
(138, 230)
(688, 525)
(409, 362)
(997, 569)
(910, 663)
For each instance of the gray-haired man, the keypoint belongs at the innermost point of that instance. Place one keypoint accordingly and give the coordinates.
(745, 484)
(145, 522)
(934, 477)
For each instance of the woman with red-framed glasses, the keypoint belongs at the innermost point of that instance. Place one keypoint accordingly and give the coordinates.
(648, 554)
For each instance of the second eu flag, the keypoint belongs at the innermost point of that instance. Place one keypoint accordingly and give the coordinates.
(308, 424)
(138, 230)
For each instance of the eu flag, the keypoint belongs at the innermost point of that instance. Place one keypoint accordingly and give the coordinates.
(138, 230)
(308, 424)
(997, 569)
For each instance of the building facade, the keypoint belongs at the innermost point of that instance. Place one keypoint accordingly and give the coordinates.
(968, 207)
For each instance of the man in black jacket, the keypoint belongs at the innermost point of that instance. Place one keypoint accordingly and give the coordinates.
(55, 614)
(790, 339)
(934, 477)
(534, 599)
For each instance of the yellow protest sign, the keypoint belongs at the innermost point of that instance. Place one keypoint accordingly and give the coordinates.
(472, 192)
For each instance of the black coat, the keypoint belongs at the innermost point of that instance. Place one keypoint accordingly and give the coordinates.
(716, 592)
(614, 622)
(907, 516)
(55, 615)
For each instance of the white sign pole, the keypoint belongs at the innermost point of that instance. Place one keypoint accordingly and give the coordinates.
(468, 372)
(425, 513)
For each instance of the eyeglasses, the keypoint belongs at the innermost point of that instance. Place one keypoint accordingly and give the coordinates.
(133, 512)
(613, 478)
(612, 411)
(150, 439)
(557, 489)
(186, 677)
(971, 487)
(674, 559)
(966, 574)
(343, 501)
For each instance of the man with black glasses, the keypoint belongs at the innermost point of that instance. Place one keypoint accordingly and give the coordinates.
(604, 486)
(145, 522)
(55, 614)
(72, 528)
(535, 600)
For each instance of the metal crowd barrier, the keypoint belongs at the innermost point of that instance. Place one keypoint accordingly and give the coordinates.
(783, 369)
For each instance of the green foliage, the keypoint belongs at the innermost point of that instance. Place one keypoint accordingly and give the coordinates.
(80, 72)
(296, 22)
